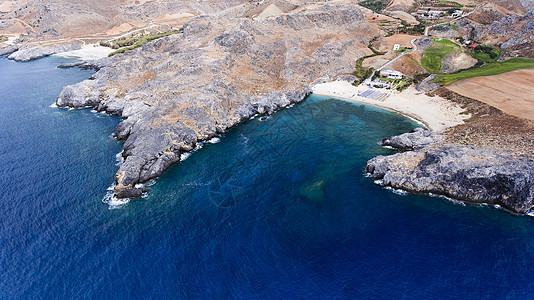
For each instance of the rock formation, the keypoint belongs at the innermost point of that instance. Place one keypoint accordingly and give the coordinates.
(8, 49)
(514, 33)
(468, 174)
(31, 53)
(180, 90)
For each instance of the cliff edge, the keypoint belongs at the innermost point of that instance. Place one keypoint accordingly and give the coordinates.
(180, 90)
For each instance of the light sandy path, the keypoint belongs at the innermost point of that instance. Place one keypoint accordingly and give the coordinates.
(435, 112)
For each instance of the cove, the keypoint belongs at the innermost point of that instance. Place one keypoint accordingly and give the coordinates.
(278, 208)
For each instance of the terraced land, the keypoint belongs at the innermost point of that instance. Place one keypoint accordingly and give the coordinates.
(433, 56)
(511, 64)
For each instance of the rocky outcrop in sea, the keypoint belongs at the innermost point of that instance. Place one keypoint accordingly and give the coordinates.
(31, 53)
(178, 91)
(474, 175)
(6, 50)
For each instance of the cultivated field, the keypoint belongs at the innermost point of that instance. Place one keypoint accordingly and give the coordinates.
(510, 92)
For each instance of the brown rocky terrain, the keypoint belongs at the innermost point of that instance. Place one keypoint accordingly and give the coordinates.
(43, 28)
(178, 91)
(52, 20)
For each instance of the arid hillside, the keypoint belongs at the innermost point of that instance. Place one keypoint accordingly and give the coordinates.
(52, 20)
(191, 86)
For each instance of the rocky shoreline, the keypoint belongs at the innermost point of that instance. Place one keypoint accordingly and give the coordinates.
(28, 53)
(178, 91)
(468, 174)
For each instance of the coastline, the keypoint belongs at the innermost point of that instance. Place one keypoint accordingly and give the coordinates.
(87, 52)
(436, 113)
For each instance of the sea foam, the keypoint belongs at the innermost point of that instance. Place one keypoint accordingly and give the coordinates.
(112, 201)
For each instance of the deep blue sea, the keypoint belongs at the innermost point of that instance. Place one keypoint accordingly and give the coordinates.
(279, 209)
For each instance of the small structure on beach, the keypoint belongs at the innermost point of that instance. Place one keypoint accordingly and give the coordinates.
(380, 84)
(391, 74)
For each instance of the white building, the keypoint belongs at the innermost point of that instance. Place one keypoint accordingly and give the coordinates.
(380, 84)
(391, 74)
(396, 47)
(431, 14)
(457, 14)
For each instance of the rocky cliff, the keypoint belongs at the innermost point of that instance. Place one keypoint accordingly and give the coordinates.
(180, 90)
(475, 175)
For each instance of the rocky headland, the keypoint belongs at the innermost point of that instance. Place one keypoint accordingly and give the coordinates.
(489, 159)
(178, 91)
(28, 53)
(474, 175)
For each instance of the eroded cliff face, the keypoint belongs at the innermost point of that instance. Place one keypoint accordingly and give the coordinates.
(463, 173)
(180, 90)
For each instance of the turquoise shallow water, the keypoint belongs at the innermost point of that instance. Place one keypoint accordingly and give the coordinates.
(278, 208)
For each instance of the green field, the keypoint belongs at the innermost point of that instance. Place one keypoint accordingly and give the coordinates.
(444, 3)
(431, 61)
(140, 41)
(486, 54)
(487, 70)
(374, 5)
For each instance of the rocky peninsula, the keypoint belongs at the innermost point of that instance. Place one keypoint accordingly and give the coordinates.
(474, 175)
(489, 159)
(178, 91)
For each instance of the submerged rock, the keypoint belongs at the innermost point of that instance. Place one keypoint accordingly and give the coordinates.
(131, 193)
(177, 91)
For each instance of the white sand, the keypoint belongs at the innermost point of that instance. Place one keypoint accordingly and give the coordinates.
(435, 112)
(271, 11)
(88, 52)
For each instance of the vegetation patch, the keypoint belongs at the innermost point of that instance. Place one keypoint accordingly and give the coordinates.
(443, 3)
(127, 44)
(418, 29)
(404, 84)
(433, 56)
(485, 53)
(489, 69)
(403, 49)
(374, 5)
(361, 72)
(3, 38)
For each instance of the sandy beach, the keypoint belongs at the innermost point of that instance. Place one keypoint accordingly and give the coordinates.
(435, 113)
(88, 52)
